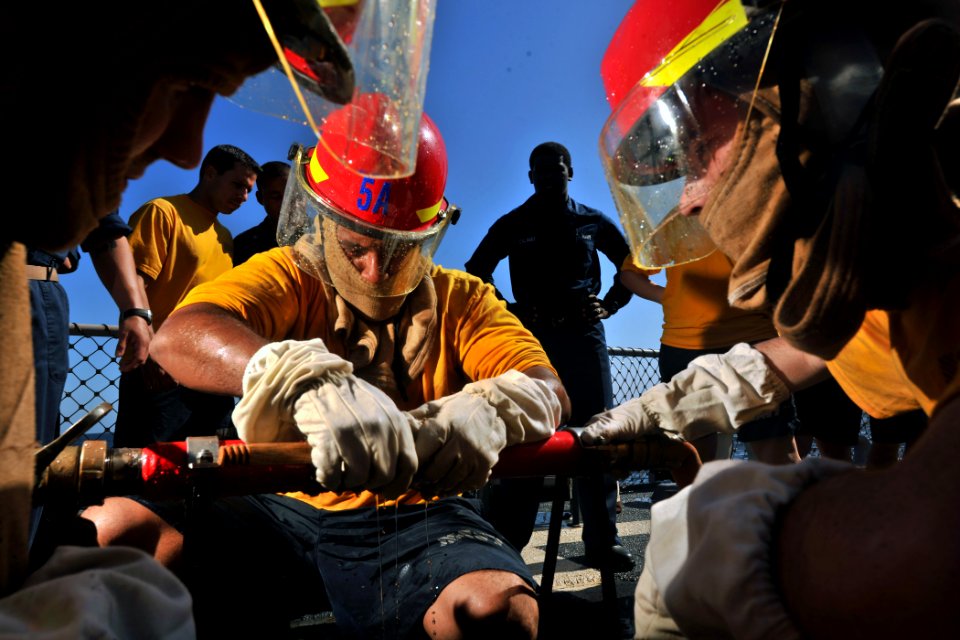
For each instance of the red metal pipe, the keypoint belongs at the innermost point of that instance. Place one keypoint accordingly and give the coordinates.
(163, 470)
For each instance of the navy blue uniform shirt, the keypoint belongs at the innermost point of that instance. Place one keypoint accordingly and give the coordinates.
(553, 252)
(110, 228)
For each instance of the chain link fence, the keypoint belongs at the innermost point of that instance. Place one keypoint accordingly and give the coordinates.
(94, 375)
(633, 371)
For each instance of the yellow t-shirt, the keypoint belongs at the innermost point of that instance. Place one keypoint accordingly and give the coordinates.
(178, 244)
(904, 360)
(477, 337)
(696, 314)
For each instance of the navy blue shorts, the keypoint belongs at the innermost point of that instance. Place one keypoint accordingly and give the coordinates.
(378, 569)
(384, 568)
(828, 414)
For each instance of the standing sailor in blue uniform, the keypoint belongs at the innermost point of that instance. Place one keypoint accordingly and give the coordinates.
(552, 243)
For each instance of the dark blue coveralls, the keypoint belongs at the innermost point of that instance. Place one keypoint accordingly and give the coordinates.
(554, 268)
(50, 319)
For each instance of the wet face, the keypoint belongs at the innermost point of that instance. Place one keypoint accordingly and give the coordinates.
(549, 174)
(709, 153)
(270, 195)
(230, 189)
(713, 155)
(373, 260)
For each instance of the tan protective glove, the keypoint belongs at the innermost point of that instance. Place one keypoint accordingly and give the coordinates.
(708, 560)
(359, 438)
(714, 393)
(461, 435)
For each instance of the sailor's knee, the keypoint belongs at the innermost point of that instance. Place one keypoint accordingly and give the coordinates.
(121, 521)
(483, 603)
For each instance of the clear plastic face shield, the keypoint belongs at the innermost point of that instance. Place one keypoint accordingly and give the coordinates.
(672, 138)
(332, 52)
(360, 260)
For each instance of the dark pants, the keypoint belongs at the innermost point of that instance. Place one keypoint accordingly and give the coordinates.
(256, 562)
(827, 414)
(50, 320)
(579, 354)
(147, 414)
(903, 427)
(50, 324)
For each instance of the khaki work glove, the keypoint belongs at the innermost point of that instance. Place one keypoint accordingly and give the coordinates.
(708, 562)
(359, 438)
(460, 436)
(714, 393)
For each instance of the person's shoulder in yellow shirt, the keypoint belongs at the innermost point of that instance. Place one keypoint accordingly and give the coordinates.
(696, 314)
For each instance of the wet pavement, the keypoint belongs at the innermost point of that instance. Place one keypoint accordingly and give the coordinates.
(576, 608)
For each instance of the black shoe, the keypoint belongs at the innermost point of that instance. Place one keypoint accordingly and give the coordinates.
(615, 558)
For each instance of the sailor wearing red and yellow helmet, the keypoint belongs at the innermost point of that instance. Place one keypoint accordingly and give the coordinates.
(406, 378)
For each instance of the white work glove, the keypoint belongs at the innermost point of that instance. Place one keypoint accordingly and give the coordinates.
(460, 436)
(359, 438)
(708, 562)
(714, 393)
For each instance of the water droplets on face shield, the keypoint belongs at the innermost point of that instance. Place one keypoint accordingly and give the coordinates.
(680, 93)
(332, 53)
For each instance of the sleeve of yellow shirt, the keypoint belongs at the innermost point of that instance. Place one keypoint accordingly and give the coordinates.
(271, 294)
(152, 230)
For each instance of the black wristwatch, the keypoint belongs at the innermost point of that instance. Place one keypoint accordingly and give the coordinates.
(146, 314)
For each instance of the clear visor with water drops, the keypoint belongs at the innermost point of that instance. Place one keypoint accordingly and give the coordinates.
(331, 52)
(357, 258)
(671, 134)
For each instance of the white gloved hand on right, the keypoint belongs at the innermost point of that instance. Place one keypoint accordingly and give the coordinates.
(460, 436)
(359, 438)
(459, 439)
(714, 393)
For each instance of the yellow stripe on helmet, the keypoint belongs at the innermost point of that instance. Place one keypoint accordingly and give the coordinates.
(337, 3)
(428, 214)
(317, 174)
(724, 21)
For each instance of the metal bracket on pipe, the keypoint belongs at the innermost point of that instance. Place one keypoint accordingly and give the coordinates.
(203, 452)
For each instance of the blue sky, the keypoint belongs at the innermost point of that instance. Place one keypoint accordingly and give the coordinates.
(504, 76)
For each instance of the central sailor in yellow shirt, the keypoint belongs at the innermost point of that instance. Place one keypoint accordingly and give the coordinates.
(407, 380)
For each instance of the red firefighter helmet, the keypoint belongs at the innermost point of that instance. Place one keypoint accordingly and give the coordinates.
(403, 204)
(371, 238)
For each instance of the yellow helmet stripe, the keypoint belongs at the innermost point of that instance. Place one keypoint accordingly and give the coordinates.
(428, 214)
(317, 174)
(726, 19)
(338, 3)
